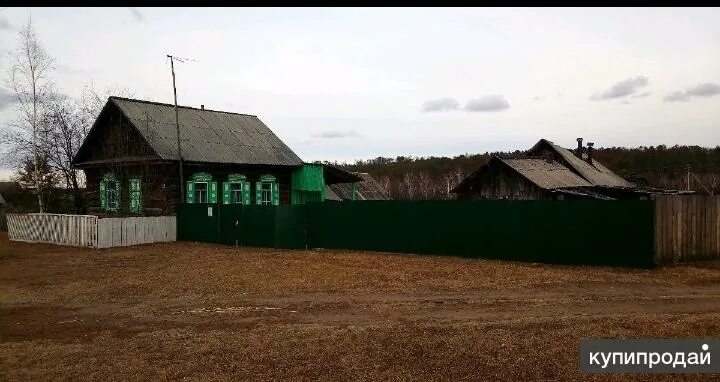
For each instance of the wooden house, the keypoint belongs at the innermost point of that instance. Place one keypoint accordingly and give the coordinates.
(131, 161)
(548, 171)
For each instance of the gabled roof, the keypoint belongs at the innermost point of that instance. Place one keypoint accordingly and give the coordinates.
(548, 175)
(205, 135)
(545, 174)
(595, 173)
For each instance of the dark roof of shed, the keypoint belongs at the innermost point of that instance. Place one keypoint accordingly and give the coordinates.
(335, 174)
(205, 135)
(548, 175)
(366, 189)
(331, 195)
(595, 173)
(545, 174)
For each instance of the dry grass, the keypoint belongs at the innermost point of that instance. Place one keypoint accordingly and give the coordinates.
(206, 312)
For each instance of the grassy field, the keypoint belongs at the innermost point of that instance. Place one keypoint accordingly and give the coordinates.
(207, 312)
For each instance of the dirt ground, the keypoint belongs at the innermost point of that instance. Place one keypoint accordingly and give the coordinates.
(186, 311)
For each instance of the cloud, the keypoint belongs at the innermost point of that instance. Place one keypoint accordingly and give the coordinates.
(642, 95)
(334, 134)
(621, 89)
(440, 104)
(707, 89)
(5, 24)
(493, 102)
(137, 15)
(677, 96)
(7, 98)
(536, 98)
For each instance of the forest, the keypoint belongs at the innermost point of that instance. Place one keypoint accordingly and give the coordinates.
(654, 166)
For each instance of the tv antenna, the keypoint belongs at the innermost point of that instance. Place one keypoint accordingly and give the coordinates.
(177, 121)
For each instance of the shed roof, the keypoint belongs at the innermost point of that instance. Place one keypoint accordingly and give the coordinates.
(549, 175)
(595, 173)
(546, 174)
(330, 194)
(205, 135)
(366, 189)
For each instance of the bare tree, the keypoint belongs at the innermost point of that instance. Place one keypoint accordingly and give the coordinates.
(384, 182)
(29, 80)
(424, 186)
(408, 183)
(67, 127)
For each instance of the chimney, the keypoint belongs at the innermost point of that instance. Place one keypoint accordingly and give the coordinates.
(589, 152)
(579, 150)
(202, 107)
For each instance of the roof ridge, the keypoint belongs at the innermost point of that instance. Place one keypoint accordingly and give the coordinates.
(179, 106)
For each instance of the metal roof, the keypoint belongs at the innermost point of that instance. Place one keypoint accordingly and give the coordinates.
(206, 135)
(595, 173)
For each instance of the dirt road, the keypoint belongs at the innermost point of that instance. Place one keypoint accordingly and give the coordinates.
(205, 312)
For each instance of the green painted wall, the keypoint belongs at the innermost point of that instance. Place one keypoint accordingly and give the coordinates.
(563, 232)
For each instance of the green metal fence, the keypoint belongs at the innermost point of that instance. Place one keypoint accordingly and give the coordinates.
(563, 232)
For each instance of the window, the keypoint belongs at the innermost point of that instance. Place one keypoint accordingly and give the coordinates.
(109, 193)
(236, 190)
(236, 193)
(201, 192)
(266, 193)
(136, 204)
(201, 189)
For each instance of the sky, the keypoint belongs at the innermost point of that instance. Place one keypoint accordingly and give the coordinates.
(357, 83)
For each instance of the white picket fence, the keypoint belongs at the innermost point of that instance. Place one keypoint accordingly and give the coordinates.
(89, 230)
(120, 232)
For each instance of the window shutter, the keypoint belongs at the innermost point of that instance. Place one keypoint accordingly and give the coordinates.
(275, 194)
(246, 192)
(190, 193)
(226, 192)
(135, 196)
(103, 195)
(258, 193)
(212, 192)
(116, 204)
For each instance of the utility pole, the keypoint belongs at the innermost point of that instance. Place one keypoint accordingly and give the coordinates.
(177, 127)
(688, 177)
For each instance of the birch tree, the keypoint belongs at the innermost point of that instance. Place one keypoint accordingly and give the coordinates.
(30, 82)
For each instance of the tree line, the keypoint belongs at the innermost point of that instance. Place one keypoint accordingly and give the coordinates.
(406, 177)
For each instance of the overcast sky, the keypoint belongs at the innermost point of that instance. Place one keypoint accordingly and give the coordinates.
(344, 84)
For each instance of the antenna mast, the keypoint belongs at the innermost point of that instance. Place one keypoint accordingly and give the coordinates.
(177, 128)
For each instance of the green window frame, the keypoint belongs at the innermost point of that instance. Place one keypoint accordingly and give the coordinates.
(267, 191)
(236, 190)
(110, 193)
(135, 196)
(201, 189)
